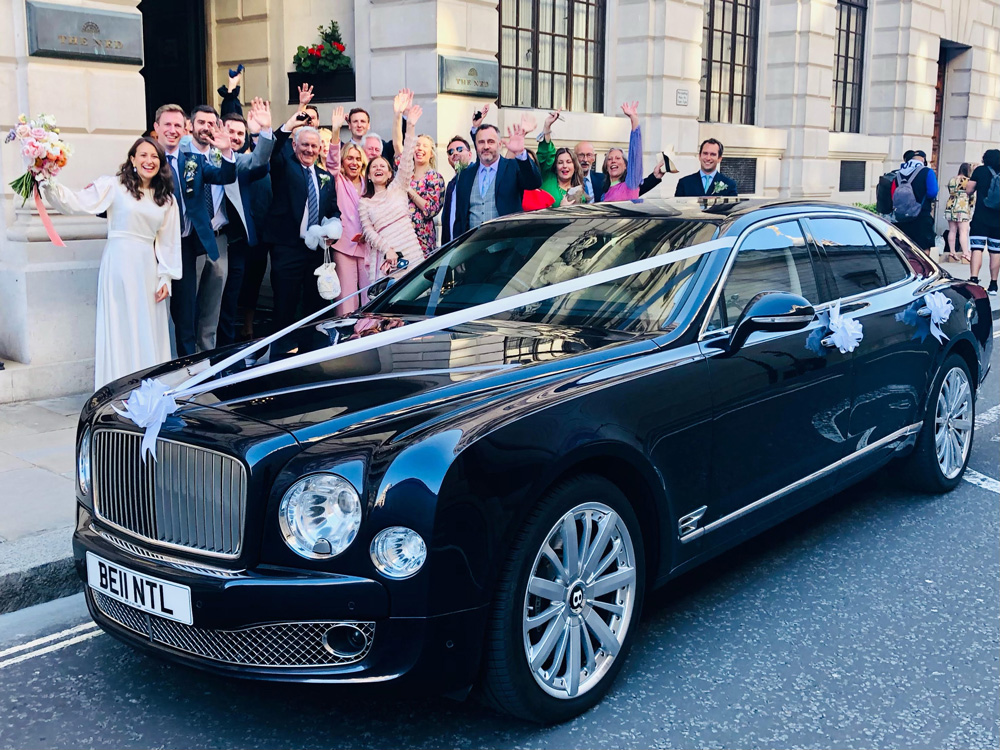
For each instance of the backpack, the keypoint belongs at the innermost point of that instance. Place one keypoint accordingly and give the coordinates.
(883, 194)
(905, 205)
(992, 199)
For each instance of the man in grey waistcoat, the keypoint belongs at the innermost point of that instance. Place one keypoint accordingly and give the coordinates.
(494, 185)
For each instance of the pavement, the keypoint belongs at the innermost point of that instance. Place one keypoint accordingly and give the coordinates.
(37, 499)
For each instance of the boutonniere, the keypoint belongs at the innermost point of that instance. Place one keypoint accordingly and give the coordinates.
(718, 187)
(215, 157)
(324, 178)
(190, 168)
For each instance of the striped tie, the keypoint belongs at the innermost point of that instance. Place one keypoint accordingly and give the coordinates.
(313, 198)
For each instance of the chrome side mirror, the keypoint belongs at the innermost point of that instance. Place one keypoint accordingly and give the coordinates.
(380, 286)
(773, 312)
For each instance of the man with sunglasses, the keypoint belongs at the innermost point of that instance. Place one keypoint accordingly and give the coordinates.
(459, 157)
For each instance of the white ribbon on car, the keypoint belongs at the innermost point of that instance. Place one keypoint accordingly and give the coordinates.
(939, 308)
(845, 333)
(149, 405)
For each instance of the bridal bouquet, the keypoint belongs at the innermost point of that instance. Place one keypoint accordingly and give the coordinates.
(44, 153)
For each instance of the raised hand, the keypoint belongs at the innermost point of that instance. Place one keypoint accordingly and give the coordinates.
(515, 140)
(220, 139)
(402, 101)
(550, 120)
(260, 111)
(528, 122)
(660, 169)
(631, 110)
(337, 120)
(293, 122)
(305, 94)
(477, 121)
(413, 113)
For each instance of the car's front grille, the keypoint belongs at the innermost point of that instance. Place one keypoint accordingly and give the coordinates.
(188, 498)
(283, 644)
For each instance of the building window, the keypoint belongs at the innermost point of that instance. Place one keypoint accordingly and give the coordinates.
(849, 65)
(552, 54)
(729, 61)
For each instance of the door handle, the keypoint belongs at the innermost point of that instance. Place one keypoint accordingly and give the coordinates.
(853, 307)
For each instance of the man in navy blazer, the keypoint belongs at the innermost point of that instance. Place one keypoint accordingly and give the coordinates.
(194, 178)
(242, 206)
(506, 178)
(708, 180)
(594, 183)
(459, 157)
(304, 194)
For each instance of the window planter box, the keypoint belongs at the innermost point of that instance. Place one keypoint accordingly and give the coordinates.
(336, 86)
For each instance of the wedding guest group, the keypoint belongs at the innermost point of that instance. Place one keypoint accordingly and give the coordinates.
(209, 198)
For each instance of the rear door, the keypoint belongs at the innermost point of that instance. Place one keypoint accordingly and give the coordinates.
(781, 403)
(875, 287)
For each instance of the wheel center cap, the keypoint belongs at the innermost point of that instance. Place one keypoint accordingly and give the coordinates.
(576, 598)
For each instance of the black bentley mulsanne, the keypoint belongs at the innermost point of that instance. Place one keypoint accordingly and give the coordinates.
(489, 503)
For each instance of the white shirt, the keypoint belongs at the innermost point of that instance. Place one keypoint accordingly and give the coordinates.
(219, 218)
(304, 226)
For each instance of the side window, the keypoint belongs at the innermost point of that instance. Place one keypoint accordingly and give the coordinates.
(771, 259)
(850, 255)
(892, 265)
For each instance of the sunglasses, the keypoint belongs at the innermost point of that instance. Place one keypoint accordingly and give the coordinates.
(456, 150)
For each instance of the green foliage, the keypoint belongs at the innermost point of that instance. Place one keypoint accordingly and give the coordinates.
(867, 207)
(324, 57)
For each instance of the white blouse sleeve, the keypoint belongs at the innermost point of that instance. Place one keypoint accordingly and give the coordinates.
(93, 199)
(167, 247)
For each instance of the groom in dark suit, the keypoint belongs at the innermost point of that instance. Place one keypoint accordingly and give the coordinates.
(708, 181)
(304, 194)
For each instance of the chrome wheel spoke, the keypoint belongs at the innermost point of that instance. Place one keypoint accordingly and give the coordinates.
(572, 672)
(607, 639)
(571, 546)
(604, 530)
(606, 561)
(546, 589)
(588, 651)
(552, 557)
(962, 424)
(612, 582)
(551, 637)
(536, 621)
(958, 398)
(615, 609)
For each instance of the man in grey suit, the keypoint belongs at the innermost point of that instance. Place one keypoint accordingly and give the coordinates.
(211, 272)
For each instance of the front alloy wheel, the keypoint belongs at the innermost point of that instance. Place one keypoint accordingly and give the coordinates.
(567, 603)
(953, 423)
(580, 600)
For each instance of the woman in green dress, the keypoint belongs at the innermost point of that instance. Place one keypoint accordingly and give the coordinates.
(562, 177)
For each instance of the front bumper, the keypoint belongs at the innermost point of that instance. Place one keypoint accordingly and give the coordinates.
(271, 624)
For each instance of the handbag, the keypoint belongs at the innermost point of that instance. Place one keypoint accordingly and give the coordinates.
(327, 281)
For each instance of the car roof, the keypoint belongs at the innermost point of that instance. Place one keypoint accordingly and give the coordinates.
(736, 213)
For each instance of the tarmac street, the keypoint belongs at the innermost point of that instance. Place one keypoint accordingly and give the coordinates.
(867, 621)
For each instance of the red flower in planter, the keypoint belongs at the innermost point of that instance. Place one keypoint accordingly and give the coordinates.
(340, 47)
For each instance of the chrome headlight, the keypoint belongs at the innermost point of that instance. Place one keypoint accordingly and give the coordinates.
(398, 552)
(83, 462)
(320, 515)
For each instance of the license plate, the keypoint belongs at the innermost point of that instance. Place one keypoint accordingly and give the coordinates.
(152, 595)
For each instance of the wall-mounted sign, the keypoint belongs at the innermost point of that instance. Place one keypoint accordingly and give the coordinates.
(84, 33)
(682, 97)
(464, 75)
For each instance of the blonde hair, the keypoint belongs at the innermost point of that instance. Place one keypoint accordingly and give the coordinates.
(351, 146)
(432, 148)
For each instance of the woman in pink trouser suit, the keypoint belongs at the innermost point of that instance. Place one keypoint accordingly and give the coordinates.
(350, 252)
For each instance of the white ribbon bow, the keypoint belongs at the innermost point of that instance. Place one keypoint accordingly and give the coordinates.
(148, 406)
(845, 333)
(940, 308)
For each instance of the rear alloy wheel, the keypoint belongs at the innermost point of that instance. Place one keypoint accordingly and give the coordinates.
(945, 439)
(568, 605)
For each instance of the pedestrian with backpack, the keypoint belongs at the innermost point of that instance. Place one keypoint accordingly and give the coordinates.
(985, 228)
(915, 189)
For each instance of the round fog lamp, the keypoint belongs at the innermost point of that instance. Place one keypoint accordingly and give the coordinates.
(320, 515)
(398, 552)
(83, 462)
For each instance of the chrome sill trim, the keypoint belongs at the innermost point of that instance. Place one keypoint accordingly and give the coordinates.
(747, 509)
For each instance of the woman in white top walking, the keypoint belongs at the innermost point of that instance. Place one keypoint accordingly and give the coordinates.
(141, 258)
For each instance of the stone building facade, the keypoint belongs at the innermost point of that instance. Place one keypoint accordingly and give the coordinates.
(812, 99)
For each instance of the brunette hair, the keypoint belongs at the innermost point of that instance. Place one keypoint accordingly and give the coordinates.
(162, 183)
(459, 139)
(355, 111)
(206, 109)
(169, 108)
(714, 142)
(604, 167)
(369, 185)
(577, 178)
(234, 117)
(965, 170)
(991, 158)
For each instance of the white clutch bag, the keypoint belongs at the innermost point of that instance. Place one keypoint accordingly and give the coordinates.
(327, 281)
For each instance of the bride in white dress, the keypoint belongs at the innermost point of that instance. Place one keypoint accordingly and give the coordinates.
(142, 257)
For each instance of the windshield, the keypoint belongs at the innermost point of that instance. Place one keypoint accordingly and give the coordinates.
(503, 259)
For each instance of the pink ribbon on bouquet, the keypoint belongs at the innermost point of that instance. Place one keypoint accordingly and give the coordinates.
(46, 220)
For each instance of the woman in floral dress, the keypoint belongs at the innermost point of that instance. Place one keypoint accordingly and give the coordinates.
(426, 194)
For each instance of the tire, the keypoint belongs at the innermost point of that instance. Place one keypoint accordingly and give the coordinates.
(951, 421)
(575, 612)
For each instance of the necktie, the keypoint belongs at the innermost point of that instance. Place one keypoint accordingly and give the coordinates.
(313, 198)
(209, 201)
(484, 181)
(706, 180)
(177, 186)
(588, 186)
